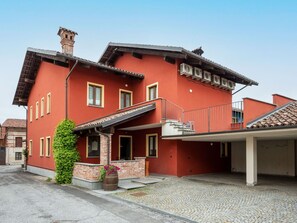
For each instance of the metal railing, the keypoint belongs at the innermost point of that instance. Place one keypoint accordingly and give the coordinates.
(224, 117)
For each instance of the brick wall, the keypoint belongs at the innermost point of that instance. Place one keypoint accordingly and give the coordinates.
(87, 171)
(130, 168)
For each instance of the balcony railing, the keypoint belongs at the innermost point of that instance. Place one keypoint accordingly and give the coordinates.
(224, 117)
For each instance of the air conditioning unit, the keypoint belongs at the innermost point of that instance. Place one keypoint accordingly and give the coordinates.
(231, 85)
(186, 69)
(224, 83)
(216, 80)
(206, 76)
(198, 74)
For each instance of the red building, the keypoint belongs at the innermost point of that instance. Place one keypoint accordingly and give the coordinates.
(127, 106)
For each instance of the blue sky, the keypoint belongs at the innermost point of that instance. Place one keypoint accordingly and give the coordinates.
(255, 38)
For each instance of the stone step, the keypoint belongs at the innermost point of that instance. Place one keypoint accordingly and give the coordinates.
(147, 180)
(128, 184)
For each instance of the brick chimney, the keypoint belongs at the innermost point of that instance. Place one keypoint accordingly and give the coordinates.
(67, 40)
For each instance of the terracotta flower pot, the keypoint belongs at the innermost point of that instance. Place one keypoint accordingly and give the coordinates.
(110, 182)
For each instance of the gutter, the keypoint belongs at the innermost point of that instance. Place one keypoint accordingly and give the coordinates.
(66, 89)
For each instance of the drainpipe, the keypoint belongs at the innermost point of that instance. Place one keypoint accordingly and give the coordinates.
(66, 89)
(26, 158)
(108, 143)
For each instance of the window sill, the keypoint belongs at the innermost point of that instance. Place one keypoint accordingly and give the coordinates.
(95, 106)
(151, 157)
(93, 157)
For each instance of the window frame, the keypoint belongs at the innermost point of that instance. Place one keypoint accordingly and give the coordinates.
(120, 98)
(42, 107)
(87, 146)
(31, 113)
(30, 147)
(48, 103)
(16, 142)
(41, 146)
(36, 110)
(48, 146)
(19, 153)
(102, 95)
(156, 145)
(148, 87)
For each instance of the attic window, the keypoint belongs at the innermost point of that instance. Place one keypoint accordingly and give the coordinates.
(66, 36)
(70, 37)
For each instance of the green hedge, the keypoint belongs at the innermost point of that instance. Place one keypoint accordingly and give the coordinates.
(65, 152)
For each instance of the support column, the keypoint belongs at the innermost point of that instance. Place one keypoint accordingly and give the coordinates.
(251, 161)
(105, 149)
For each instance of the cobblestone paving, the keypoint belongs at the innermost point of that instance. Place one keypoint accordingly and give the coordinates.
(213, 202)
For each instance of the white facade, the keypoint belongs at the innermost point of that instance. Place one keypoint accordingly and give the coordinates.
(13, 153)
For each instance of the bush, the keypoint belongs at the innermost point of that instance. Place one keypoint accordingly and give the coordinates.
(65, 152)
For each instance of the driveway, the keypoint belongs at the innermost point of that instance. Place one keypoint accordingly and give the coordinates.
(25, 197)
(219, 198)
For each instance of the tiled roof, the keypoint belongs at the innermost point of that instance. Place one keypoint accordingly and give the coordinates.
(16, 123)
(33, 59)
(283, 116)
(113, 47)
(116, 118)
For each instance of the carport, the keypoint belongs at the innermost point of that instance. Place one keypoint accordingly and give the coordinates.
(251, 137)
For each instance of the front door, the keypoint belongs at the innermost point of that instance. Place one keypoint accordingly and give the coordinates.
(125, 147)
(2, 155)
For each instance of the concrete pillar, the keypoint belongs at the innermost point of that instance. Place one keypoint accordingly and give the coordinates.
(105, 148)
(251, 161)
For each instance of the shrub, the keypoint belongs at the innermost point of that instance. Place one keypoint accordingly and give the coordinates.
(65, 152)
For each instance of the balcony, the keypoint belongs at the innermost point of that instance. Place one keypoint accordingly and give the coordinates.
(177, 121)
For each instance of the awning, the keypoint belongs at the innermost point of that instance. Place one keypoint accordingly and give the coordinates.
(116, 118)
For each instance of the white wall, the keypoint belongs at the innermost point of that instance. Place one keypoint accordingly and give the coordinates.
(275, 157)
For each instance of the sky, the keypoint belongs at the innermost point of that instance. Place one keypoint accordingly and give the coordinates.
(255, 38)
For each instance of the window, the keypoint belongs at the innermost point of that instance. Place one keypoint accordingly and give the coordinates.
(93, 146)
(41, 147)
(152, 145)
(48, 146)
(125, 98)
(152, 92)
(48, 103)
(37, 108)
(31, 113)
(18, 156)
(95, 95)
(18, 142)
(30, 147)
(42, 107)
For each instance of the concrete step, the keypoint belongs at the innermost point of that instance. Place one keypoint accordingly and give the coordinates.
(147, 180)
(128, 184)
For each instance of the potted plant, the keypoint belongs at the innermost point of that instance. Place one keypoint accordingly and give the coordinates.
(109, 176)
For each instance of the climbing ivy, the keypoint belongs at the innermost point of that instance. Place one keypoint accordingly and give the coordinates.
(65, 152)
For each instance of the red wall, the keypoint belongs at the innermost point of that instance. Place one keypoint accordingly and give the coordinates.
(82, 148)
(50, 79)
(166, 163)
(200, 157)
(254, 108)
(280, 100)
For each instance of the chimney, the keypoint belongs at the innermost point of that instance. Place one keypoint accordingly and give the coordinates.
(67, 40)
(198, 51)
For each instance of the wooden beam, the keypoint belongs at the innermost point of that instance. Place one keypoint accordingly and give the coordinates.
(153, 52)
(29, 81)
(169, 60)
(137, 55)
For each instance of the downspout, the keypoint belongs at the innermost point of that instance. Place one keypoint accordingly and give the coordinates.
(108, 143)
(26, 158)
(66, 89)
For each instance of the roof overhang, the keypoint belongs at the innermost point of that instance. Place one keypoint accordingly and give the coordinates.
(31, 64)
(116, 118)
(241, 135)
(114, 50)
